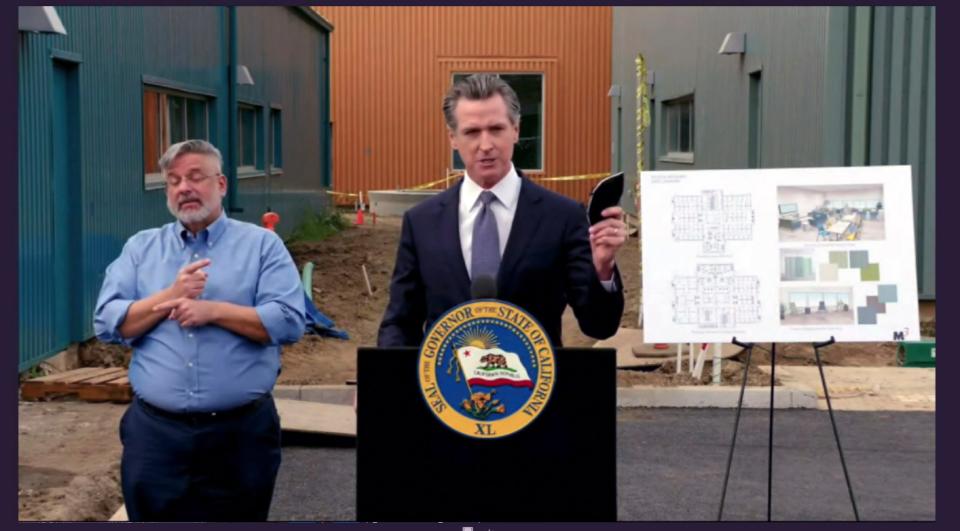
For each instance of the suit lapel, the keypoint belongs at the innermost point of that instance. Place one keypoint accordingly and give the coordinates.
(449, 217)
(526, 220)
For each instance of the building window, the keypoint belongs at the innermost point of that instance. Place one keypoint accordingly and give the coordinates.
(249, 139)
(276, 139)
(528, 153)
(678, 130)
(170, 117)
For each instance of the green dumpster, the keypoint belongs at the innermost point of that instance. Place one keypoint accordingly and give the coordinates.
(921, 353)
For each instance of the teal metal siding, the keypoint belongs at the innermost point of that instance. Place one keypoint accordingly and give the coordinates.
(117, 48)
(36, 268)
(884, 60)
(902, 121)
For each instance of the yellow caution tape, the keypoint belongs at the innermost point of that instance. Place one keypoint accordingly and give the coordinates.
(586, 177)
(458, 174)
(434, 183)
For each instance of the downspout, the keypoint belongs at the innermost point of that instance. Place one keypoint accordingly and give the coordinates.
(230, 149)
(327, 122)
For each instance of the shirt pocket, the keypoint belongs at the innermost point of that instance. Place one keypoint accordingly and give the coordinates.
(156, 276)
(233, 280)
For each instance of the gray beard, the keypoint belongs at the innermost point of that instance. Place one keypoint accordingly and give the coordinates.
(195, 216)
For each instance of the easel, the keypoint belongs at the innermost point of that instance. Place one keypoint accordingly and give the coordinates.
(773, 366)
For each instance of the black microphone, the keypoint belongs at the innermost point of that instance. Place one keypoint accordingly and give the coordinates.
(484, 287)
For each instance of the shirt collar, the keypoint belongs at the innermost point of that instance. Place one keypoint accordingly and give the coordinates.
(507, 190)
(213, 231)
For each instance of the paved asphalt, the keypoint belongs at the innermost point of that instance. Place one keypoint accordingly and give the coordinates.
(671, 462)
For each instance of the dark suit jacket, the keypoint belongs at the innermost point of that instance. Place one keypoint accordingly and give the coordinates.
(547, 264)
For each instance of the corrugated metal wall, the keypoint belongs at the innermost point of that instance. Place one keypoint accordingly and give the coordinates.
(679, 44)
(111, 49)
(285, 77)
(882, 61)
(392, 65)
(840, 86)
(902, 118)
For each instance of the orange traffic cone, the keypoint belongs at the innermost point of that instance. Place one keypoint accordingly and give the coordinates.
(359, 220)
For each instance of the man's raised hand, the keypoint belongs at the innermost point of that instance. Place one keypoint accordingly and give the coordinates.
(190, 280)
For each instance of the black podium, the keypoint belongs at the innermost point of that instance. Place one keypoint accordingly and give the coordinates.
(412, 467)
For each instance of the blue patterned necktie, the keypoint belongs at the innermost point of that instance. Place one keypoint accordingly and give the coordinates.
(485, 254)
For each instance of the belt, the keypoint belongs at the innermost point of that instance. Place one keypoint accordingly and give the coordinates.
(205, 416)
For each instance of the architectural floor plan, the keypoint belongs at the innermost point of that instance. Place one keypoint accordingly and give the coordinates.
(778, 255)
(713, 218)
(716, 297)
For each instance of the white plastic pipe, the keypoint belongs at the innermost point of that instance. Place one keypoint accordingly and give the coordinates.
(679, 356)
(717, 373)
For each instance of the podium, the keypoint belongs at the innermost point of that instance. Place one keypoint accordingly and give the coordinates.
(412, 467)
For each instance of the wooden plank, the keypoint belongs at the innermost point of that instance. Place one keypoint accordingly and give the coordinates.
(51, 387)
(104, 393)
(96, 384)
(90, 393)
(33, 392)
(77, 378)
(61, 375)
(314, 417)
(114, 373)
(120, 515)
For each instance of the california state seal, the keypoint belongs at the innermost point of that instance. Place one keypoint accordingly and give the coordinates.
(486, 369)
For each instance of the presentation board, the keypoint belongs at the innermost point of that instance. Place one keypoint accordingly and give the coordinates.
(786, 255)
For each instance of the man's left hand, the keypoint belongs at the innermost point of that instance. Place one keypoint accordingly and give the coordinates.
(606, 238)
(189, 312)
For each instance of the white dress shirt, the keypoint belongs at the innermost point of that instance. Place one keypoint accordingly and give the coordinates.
(504, 208)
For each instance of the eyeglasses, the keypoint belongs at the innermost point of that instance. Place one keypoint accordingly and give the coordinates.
(173, 180)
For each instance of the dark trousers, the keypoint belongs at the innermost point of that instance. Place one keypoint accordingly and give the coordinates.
(199, 467)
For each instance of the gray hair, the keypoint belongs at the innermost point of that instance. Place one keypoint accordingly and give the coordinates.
(480, 87)
(201, 147)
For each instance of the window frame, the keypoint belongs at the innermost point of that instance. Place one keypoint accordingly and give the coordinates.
(275, 111)
(154, 180)
(670, 130)
(543, 112)
(259, 148)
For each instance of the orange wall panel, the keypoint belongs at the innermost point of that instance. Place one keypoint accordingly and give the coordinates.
(390, 67)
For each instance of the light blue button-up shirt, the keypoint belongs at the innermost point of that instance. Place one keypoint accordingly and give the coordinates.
(204, 368)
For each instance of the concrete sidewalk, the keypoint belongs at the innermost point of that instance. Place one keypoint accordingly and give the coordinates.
(709, 396)
(851, 389)
(865, 388)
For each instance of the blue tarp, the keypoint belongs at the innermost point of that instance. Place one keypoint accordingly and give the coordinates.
(320, 324)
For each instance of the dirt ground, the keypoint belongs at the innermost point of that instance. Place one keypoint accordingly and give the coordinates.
(69, 451)
(69, 460)
(340, 293)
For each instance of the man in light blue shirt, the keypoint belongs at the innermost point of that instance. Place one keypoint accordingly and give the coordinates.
(205, 302)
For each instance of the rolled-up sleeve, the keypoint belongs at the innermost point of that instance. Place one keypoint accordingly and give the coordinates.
(280, 300)
(118, 292)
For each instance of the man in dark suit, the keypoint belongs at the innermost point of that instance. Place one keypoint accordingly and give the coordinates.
(535, 243)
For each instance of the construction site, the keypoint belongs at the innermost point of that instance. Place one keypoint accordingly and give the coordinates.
(70, 453)
(601, 91)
